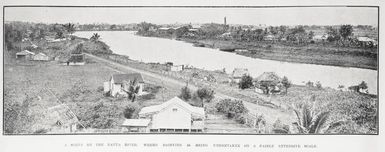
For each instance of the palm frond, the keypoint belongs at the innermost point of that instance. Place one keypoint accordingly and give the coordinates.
(335, 125)
(319, 122)
(307, 116)
(300, 128)
(298, 117)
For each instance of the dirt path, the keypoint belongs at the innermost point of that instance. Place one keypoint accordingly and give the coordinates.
(270, 114)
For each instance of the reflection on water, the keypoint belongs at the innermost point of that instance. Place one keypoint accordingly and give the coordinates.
(148, 49)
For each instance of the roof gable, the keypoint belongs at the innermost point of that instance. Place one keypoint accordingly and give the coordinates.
(239, 72)
(25, 52)
(119, 78)
(268, 76)
(174, 101)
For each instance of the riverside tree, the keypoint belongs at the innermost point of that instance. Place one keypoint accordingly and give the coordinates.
(286, 83)
(246, 82)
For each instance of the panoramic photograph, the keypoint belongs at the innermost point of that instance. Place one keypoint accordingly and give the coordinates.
(190, 70)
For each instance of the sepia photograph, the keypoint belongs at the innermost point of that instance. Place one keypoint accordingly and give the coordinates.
(251, 70)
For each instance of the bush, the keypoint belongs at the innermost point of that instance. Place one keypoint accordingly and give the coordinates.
(129, 112)
(185, 93)
(246, 82)
(310, 84)
(240, 118)
(280, 128)
(318, 85)
(205, 94)
(231, 107)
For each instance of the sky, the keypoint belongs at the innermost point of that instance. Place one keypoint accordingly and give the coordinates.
(164, 15)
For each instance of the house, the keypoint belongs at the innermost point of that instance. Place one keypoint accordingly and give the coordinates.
(365, 41)
(269, 38)
(76, 59)
(238, 73)
(62, 118)
(320, 38)
(268, 82)
(115, 86)
(40, 57)
(25, 55)
(174, 115)
(136, 125)
(177, 67)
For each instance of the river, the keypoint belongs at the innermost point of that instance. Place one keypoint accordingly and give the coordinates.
(150, 49)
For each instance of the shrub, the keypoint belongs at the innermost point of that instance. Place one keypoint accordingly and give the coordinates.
(246, 82)
(185, 93)
(205, 94)
(240, 118)
(231, 107)
(100, 89)
(310, 84)
(318, 85)
(280, 128)
(129, 112)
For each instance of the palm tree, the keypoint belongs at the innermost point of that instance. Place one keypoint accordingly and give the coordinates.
(132, 89)
(70, 28)
(310, 123)
(95, 37)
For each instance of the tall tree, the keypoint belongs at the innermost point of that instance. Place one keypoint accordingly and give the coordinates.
(286, 83)
(132, 89)
(70, 28)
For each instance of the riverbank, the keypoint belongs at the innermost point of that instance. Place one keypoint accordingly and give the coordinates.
(320, 54)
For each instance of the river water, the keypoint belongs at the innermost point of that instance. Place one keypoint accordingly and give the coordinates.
(149, 49)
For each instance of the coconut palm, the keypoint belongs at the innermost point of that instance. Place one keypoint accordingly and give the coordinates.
(95, 37)
(310, 123)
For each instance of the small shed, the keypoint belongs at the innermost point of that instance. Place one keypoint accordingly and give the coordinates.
(177, 68)
(40, 57)
(269, 38)
(238, 73)
(26, 55)
(136, 125)
(268, 82)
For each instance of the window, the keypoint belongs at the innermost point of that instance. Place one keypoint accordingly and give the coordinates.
(174, 109)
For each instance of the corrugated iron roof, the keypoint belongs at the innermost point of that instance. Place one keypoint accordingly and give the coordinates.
(268, 76)
(119, 78)
(239, 72)
(25, 52)
(154, 109)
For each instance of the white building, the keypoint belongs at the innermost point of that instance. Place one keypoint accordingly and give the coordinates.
(26, 55)
(40, 57)
(174, 115)
(116, 83)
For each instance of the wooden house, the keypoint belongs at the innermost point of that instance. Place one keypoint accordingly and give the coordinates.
(116, 85)
(174, 115)
(40, 57)
(238, 73)
(25, 55)
(268, 82)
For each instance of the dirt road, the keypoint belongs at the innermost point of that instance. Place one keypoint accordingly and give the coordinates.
(270, 114)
